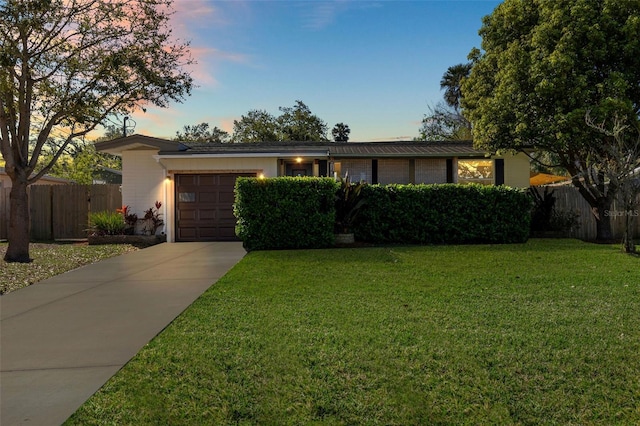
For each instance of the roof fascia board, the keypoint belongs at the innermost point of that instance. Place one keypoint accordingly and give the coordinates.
(245, 155)
(414, 155)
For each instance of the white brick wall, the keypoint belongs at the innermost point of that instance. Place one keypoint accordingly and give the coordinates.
(143, 180)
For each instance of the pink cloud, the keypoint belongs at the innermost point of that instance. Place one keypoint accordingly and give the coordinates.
(189, 22)
(226, 124)
(207, 59)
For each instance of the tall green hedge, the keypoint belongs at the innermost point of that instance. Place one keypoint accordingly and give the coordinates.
(443, 214)
(285, 212)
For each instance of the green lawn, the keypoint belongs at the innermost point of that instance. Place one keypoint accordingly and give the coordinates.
(542, 333)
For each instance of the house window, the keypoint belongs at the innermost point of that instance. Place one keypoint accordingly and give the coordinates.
(337, 168)
(187, 197)
(475, 171)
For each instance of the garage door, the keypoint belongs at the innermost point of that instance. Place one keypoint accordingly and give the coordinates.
(204, 207)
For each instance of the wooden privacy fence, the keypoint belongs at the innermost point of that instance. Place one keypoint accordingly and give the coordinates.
(569, 199)
(60, 212)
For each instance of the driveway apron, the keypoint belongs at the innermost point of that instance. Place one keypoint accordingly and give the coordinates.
(61, 339)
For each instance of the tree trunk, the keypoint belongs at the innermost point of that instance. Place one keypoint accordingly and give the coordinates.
(628, 243)
(603, 221)
(18, 232)
(600, 203)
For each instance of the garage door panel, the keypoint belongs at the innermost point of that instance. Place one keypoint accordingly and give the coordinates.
(204, 211)
(227, 197)
(226, 215)
(211, 180)
(208, 197)
(187, 179)
(227, 180)
(187, 233)
(208, 214)
(228, 233)
(187, 215)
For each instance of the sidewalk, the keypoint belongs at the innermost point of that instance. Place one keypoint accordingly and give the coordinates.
(63, 338)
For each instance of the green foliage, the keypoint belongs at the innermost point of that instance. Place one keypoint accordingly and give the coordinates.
(82, 165)
(340, 132)
(296, 123)
(255, 126)
(107, 223)
(349, 202)
(543, 68)
(202, 133)
(442, 123)
(285, 212)
(452, 81)
(66, 66)
(443, 214)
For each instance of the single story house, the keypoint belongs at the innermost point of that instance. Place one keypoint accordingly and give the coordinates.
(195, 182)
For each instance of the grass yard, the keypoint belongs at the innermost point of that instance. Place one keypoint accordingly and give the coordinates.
(546, 332)
(50, 260)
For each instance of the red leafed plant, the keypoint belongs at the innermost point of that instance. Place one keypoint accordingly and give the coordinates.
(153, 219)
(129, 218)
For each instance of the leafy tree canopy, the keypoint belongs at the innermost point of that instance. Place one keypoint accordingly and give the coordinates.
(542, 67)
(296, 123)
(67, 65)
(444, 124)
(255, 126)
(202, 133)
(340, 132)
(451, 82)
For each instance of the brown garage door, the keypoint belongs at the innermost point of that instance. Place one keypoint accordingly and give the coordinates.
(204, 207)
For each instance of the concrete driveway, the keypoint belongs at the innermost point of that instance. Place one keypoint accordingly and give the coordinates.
(63, 338)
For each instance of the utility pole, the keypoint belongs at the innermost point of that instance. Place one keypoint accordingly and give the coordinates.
(124, 126)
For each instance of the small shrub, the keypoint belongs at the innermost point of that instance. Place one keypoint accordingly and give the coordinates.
(153, 219)
(349, 202)
(107, 223)
(130, 219)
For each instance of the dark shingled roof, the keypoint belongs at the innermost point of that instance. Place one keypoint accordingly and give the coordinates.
(337, 149)
(404, 149)
(322, 148)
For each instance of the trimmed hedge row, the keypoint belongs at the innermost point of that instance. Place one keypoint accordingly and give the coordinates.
(290, 213)
(285, 212)
(443, 214)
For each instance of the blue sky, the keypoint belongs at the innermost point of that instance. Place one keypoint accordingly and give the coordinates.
(374, 65)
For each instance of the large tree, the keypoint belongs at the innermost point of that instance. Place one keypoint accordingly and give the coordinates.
(256, 126)
(202, 133)
(543, 65)
(444, 123)
(298, 123)
(340, 132)
(67, 65)
(452, 81)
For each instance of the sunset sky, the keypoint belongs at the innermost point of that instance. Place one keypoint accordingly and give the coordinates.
(374, 65)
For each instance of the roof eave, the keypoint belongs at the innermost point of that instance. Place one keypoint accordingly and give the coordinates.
(117, 146)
